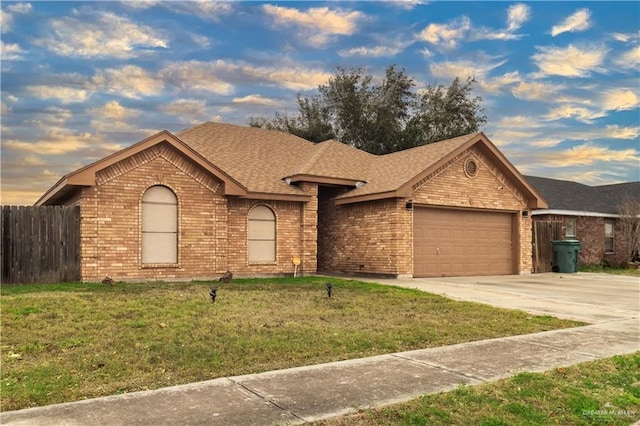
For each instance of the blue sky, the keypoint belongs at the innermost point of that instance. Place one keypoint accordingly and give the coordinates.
(81, 80)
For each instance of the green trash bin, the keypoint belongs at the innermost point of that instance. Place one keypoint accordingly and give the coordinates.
(566, 253)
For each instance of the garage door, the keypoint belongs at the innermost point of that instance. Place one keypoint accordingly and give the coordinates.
(461, 242)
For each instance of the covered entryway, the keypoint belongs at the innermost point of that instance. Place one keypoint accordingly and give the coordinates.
(461, 242)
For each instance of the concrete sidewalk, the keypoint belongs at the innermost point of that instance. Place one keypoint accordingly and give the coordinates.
(307, 394)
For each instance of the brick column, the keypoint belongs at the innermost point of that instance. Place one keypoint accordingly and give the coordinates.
(220, 230)
(526, 241)
(89, 235)
(404, 238)
(309, 230)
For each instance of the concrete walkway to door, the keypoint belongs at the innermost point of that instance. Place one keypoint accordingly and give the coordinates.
(588, 297)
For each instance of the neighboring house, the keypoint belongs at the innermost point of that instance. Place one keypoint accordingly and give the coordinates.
(220, 197)
(588, 214)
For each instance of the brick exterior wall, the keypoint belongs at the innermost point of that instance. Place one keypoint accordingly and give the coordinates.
(374, 237)
(111, 219)
(488, 189)
(590, 233)
(211, 229)
(309, 231)
(289, 240)
(364, 238)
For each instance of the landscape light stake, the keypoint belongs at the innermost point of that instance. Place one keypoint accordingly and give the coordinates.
(329, 288)
(212, 293)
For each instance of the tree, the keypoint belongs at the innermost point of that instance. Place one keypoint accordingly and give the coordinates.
(381, 117)
(312, 121)
(629, 211)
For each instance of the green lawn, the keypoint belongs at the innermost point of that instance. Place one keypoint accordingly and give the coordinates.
(604, 392)
(69, 342)
(610, 270)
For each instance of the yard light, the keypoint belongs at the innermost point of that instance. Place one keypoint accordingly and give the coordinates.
(329, 288)
(212, 293)
(296, 263)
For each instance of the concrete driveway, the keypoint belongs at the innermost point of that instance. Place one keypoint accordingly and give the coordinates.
(588, 297)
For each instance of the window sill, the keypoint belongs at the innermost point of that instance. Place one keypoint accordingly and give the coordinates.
(262, 262)
(160, 265)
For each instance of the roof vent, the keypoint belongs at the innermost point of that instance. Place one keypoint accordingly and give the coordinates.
(470, 167)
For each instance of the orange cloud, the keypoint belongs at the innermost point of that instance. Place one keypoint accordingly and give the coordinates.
(64, 94)
(571, 61)
(317, 24)
(129, 81)
(588, 154)
(57, 143)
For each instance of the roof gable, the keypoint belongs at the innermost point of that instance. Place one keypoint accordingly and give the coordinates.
(398, 174)
(393, 174)
(86, 176)
(265, 164)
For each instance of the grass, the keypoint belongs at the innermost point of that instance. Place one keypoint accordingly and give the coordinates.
(609, 270)
(593, 393)
(69, 342)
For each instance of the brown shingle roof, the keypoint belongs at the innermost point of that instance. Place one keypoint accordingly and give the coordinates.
(254, 162)
(392, 171)
(255, 157)
(260, 159)
(334, 159)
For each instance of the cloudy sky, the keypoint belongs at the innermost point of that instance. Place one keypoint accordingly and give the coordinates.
(80, 80)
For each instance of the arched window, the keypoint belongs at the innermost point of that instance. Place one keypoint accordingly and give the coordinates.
(159, 226)
(261, 236)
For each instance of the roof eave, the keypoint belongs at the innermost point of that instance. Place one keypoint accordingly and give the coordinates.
(369, 197)
(327, 180)
(567, 212)
(535, 200)
(231, 186)
(86, 176)
(409, 186)
(55, 192)
(302, 198)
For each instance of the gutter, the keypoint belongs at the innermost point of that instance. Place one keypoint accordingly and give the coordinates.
(573, 213)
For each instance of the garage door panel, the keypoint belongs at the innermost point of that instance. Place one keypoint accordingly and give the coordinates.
(470, 251)
(462, 242)
(458, 233)
(472, 234)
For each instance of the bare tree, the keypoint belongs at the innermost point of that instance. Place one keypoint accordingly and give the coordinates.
(629, 211)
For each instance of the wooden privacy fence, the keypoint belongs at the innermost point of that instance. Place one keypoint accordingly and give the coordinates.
(40, 244)
(544, 233)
